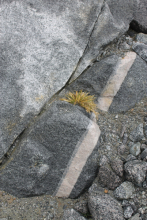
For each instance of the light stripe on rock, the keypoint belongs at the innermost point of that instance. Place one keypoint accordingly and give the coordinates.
(83, 150)
(115, 81)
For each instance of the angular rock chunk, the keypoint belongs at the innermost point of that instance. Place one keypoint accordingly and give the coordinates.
(130, 157)
(95, 78)
(128, 212)
(145, 130)
(141, 50)
(72, 214)
(135, 217)
(117, 166)
(137, 134)
(82, 207)
(136, 171)
(58, 156)
(144, 155)
(135, 149)
(132, 89)
(41, 44)
(124, 191)
(108, 178)
(104, 207)
(142, 38)
(117, 88)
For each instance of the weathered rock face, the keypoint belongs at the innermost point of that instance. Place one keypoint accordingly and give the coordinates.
(58, 156)
(114, 82)
(41, 44)
(72, 214)
(46, 45)
(140, 17)
(112, 22)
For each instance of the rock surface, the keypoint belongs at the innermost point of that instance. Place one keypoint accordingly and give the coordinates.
(128, 211)
(141, 50)
(137, 134)
(41, 44)
(124, 191)
(52, 147)
(112, 22)
(136, 171)
(135, 149)
(51, 153)
(71, 214)
(140, 17)
(108, 178)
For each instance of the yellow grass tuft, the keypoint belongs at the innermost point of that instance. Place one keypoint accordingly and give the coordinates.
(82, 99)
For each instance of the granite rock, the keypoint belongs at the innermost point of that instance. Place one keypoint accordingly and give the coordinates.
(145, 131)
(135, 149)
(128, 212)
(124, 191)
(108, 178)
(142, 38)
(140, 19)
(117, 166)
(137, 134)
(112, 22)
(144, 155)
(135, 217)
(105, 207)
(135, 171)
(71, 214)
(47, 157)
(141, 50)
(41, 44)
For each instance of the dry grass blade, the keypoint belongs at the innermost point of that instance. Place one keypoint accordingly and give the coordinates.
(82, 99)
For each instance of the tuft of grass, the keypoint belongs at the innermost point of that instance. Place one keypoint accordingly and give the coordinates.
(82, 99)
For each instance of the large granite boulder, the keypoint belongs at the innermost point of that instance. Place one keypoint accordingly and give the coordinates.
(57, 156)
(41, 44)
(44, 44)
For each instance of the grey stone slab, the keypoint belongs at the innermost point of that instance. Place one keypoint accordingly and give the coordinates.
(142, 38)
(141, 50)
(38, 164)
(112, 22)
(140, 17)
(132, 89)
(87, 175)
(41, 44)
(95, 78)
